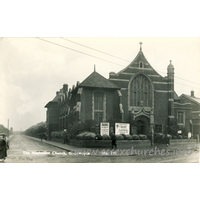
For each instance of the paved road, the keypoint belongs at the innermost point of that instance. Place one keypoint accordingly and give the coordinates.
(27, 150)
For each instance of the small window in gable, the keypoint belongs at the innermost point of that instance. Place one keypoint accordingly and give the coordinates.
(141, 64)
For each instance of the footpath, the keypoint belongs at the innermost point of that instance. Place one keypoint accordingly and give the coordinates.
(176, 145)
(59, 145)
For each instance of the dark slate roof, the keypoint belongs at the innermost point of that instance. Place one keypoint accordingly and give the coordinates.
(55, 100)
(194, 99)
(50, 103)
(98, 81)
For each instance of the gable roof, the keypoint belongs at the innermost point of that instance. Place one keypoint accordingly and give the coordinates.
(194, 99)
(175, 95)
(98, 81)
(134, 64)
(54, 101)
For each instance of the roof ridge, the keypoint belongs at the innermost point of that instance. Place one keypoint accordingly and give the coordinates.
(97, 80)
(191, 96)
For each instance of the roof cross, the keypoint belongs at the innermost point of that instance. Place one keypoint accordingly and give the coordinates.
(140, 46)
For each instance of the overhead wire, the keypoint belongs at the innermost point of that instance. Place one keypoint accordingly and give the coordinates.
(102, 58)
(119, 57)
(79, 51)
(95, 49)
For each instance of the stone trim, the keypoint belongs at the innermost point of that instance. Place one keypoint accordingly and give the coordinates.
(165, 91)
(119, 93)
(113, 79)
(104, 107)
(92, 105)
(154, 75)
(137, 67)
(164, 83)
(121, 108)
(182, 104)
(80, 90)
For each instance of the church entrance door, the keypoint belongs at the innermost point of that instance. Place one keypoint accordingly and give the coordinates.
(142, 125)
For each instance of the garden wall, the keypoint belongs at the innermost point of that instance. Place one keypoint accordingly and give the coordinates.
(125, 144)
(121, 144)
(182, 141)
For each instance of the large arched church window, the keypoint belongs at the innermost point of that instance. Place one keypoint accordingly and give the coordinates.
(140, 91)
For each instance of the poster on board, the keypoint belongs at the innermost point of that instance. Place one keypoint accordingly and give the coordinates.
(122, 128)
(104, 128)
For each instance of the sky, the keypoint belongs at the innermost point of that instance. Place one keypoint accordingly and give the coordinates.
(33, 69)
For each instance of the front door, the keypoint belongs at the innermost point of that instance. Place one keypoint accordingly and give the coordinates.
(142, 125)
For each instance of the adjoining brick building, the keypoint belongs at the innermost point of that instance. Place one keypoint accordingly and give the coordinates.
(136, 93)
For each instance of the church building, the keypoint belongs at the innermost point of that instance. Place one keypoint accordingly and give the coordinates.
(136, 93)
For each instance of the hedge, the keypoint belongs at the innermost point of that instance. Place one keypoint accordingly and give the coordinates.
(142, 137)
(106, 137)
(135, 137)
(179, 137)
(128, 137)
(86, 136)
(159, 136)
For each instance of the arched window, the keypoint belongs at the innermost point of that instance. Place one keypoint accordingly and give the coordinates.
(98, 106)
(98, 101)
(181, 117)
(141, 65)
(140, 91)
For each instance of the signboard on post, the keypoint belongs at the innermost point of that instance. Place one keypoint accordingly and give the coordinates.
(179, 131)
(122, 128)
(104, 128)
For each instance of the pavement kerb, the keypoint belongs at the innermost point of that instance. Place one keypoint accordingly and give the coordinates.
(58, 145)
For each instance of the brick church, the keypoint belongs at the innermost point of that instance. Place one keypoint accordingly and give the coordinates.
(137, 93)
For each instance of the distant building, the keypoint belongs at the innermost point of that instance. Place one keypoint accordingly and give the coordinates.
(136, 93)
(187, 111)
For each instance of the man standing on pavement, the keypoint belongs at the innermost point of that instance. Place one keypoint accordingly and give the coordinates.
(113, 138)
(114, 141)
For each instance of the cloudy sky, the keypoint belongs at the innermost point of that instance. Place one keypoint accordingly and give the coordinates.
(33, 69)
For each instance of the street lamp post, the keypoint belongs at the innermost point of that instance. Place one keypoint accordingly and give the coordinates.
(152, 137)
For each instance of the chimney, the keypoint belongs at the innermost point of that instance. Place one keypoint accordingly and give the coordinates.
(65, 88)
(192, 93)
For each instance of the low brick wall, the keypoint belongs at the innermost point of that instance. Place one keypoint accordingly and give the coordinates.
(137, 144)
(182, 141)
(122, 144)
(125, 144)
(91, 143)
